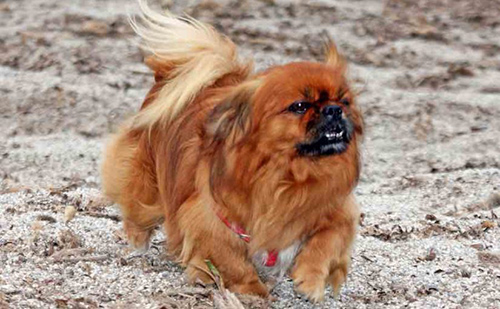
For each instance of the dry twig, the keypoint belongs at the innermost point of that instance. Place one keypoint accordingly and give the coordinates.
(69, 252)
(102, 215)
(94, 258)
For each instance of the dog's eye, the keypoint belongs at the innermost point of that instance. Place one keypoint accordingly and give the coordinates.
(345, 101)
(299, 107)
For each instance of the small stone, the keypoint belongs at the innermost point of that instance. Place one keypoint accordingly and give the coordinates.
(493, 201)
(430, 217)
(47, 218)
(95, 27)
(478, 246)
(431, 256)
(488, 224)
(489, 257)
(465, 273)
(123, 262)
(69, 213)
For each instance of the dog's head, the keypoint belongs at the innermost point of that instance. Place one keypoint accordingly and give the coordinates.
(303, 109)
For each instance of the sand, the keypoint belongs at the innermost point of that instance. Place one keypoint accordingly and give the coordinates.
(428, 74)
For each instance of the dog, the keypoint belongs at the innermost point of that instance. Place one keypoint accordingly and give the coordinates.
(246, 170)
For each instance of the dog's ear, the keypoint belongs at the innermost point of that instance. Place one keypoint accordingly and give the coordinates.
(333, 57)
(231, 120)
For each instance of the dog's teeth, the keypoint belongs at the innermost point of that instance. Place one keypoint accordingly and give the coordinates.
(334, 135)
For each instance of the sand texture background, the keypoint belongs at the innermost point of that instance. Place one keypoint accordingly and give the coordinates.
(428, 73)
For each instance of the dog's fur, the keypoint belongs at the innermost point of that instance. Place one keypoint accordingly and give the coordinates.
(214, 137)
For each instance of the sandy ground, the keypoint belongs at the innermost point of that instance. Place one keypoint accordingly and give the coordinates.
(428, 74)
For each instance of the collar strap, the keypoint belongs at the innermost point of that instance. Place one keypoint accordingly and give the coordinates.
(272, 255)
(237, 229)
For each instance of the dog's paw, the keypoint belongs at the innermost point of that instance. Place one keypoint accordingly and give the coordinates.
(253, 288)
(309, 284)
(137, 237)
(197, 271)
(337, 277)
(338, 273)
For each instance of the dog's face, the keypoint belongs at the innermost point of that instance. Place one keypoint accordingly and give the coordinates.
(302, 109)
(307, 107)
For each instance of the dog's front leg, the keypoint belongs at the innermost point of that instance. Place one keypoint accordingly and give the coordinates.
(207, 238)
(326, 255)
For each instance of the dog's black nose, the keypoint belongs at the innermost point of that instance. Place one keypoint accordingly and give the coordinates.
(332, 112)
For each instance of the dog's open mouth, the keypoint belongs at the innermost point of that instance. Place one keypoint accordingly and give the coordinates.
(329, 141)
(335, 136)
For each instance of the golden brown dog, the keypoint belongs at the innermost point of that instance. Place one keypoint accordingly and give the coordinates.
(245, 169)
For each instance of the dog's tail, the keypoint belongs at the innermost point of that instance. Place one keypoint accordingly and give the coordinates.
(188, 56)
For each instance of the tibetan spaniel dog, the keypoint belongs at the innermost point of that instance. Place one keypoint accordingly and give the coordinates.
(248, 170)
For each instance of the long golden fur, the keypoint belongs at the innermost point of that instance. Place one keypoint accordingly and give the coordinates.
(212, 137)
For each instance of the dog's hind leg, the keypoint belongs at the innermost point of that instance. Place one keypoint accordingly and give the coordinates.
(139, 222)
(129, 181)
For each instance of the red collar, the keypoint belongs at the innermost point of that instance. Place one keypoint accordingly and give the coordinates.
(272, 255)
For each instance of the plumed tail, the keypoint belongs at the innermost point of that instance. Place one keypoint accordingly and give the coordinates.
(188, 56)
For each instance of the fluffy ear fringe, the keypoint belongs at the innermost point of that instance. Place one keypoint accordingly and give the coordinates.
(231, 121)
